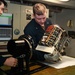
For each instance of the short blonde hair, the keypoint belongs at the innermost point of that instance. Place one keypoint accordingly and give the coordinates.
(39, 9)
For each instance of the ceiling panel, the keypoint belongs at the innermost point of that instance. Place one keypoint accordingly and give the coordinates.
(69, 4)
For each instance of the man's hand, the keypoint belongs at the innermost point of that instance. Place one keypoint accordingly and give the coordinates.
(12, 62)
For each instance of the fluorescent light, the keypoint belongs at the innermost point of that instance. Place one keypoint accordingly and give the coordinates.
(64, 0)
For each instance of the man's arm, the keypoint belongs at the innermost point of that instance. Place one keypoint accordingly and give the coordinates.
(10, 61)
(2, 60)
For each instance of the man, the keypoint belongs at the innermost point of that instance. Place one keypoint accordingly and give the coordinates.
(36, 28)
(12, 62)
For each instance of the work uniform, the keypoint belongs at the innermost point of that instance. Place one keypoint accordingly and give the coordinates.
(2, 60)
(36, 32)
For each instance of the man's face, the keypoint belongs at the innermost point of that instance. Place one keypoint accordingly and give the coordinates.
(40, 19)
(1, 8)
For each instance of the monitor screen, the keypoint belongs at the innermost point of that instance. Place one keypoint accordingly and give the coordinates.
(6, 20)
(6, 26)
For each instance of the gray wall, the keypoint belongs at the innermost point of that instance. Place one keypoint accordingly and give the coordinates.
(62, 20)
(19, 17)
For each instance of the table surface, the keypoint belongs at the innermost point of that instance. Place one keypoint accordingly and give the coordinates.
(51, 71)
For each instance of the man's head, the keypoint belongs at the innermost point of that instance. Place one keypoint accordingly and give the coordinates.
(3, 4)
(40, 11)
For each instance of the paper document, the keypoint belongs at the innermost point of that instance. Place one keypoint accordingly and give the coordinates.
(65, 62)
(45, 48)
